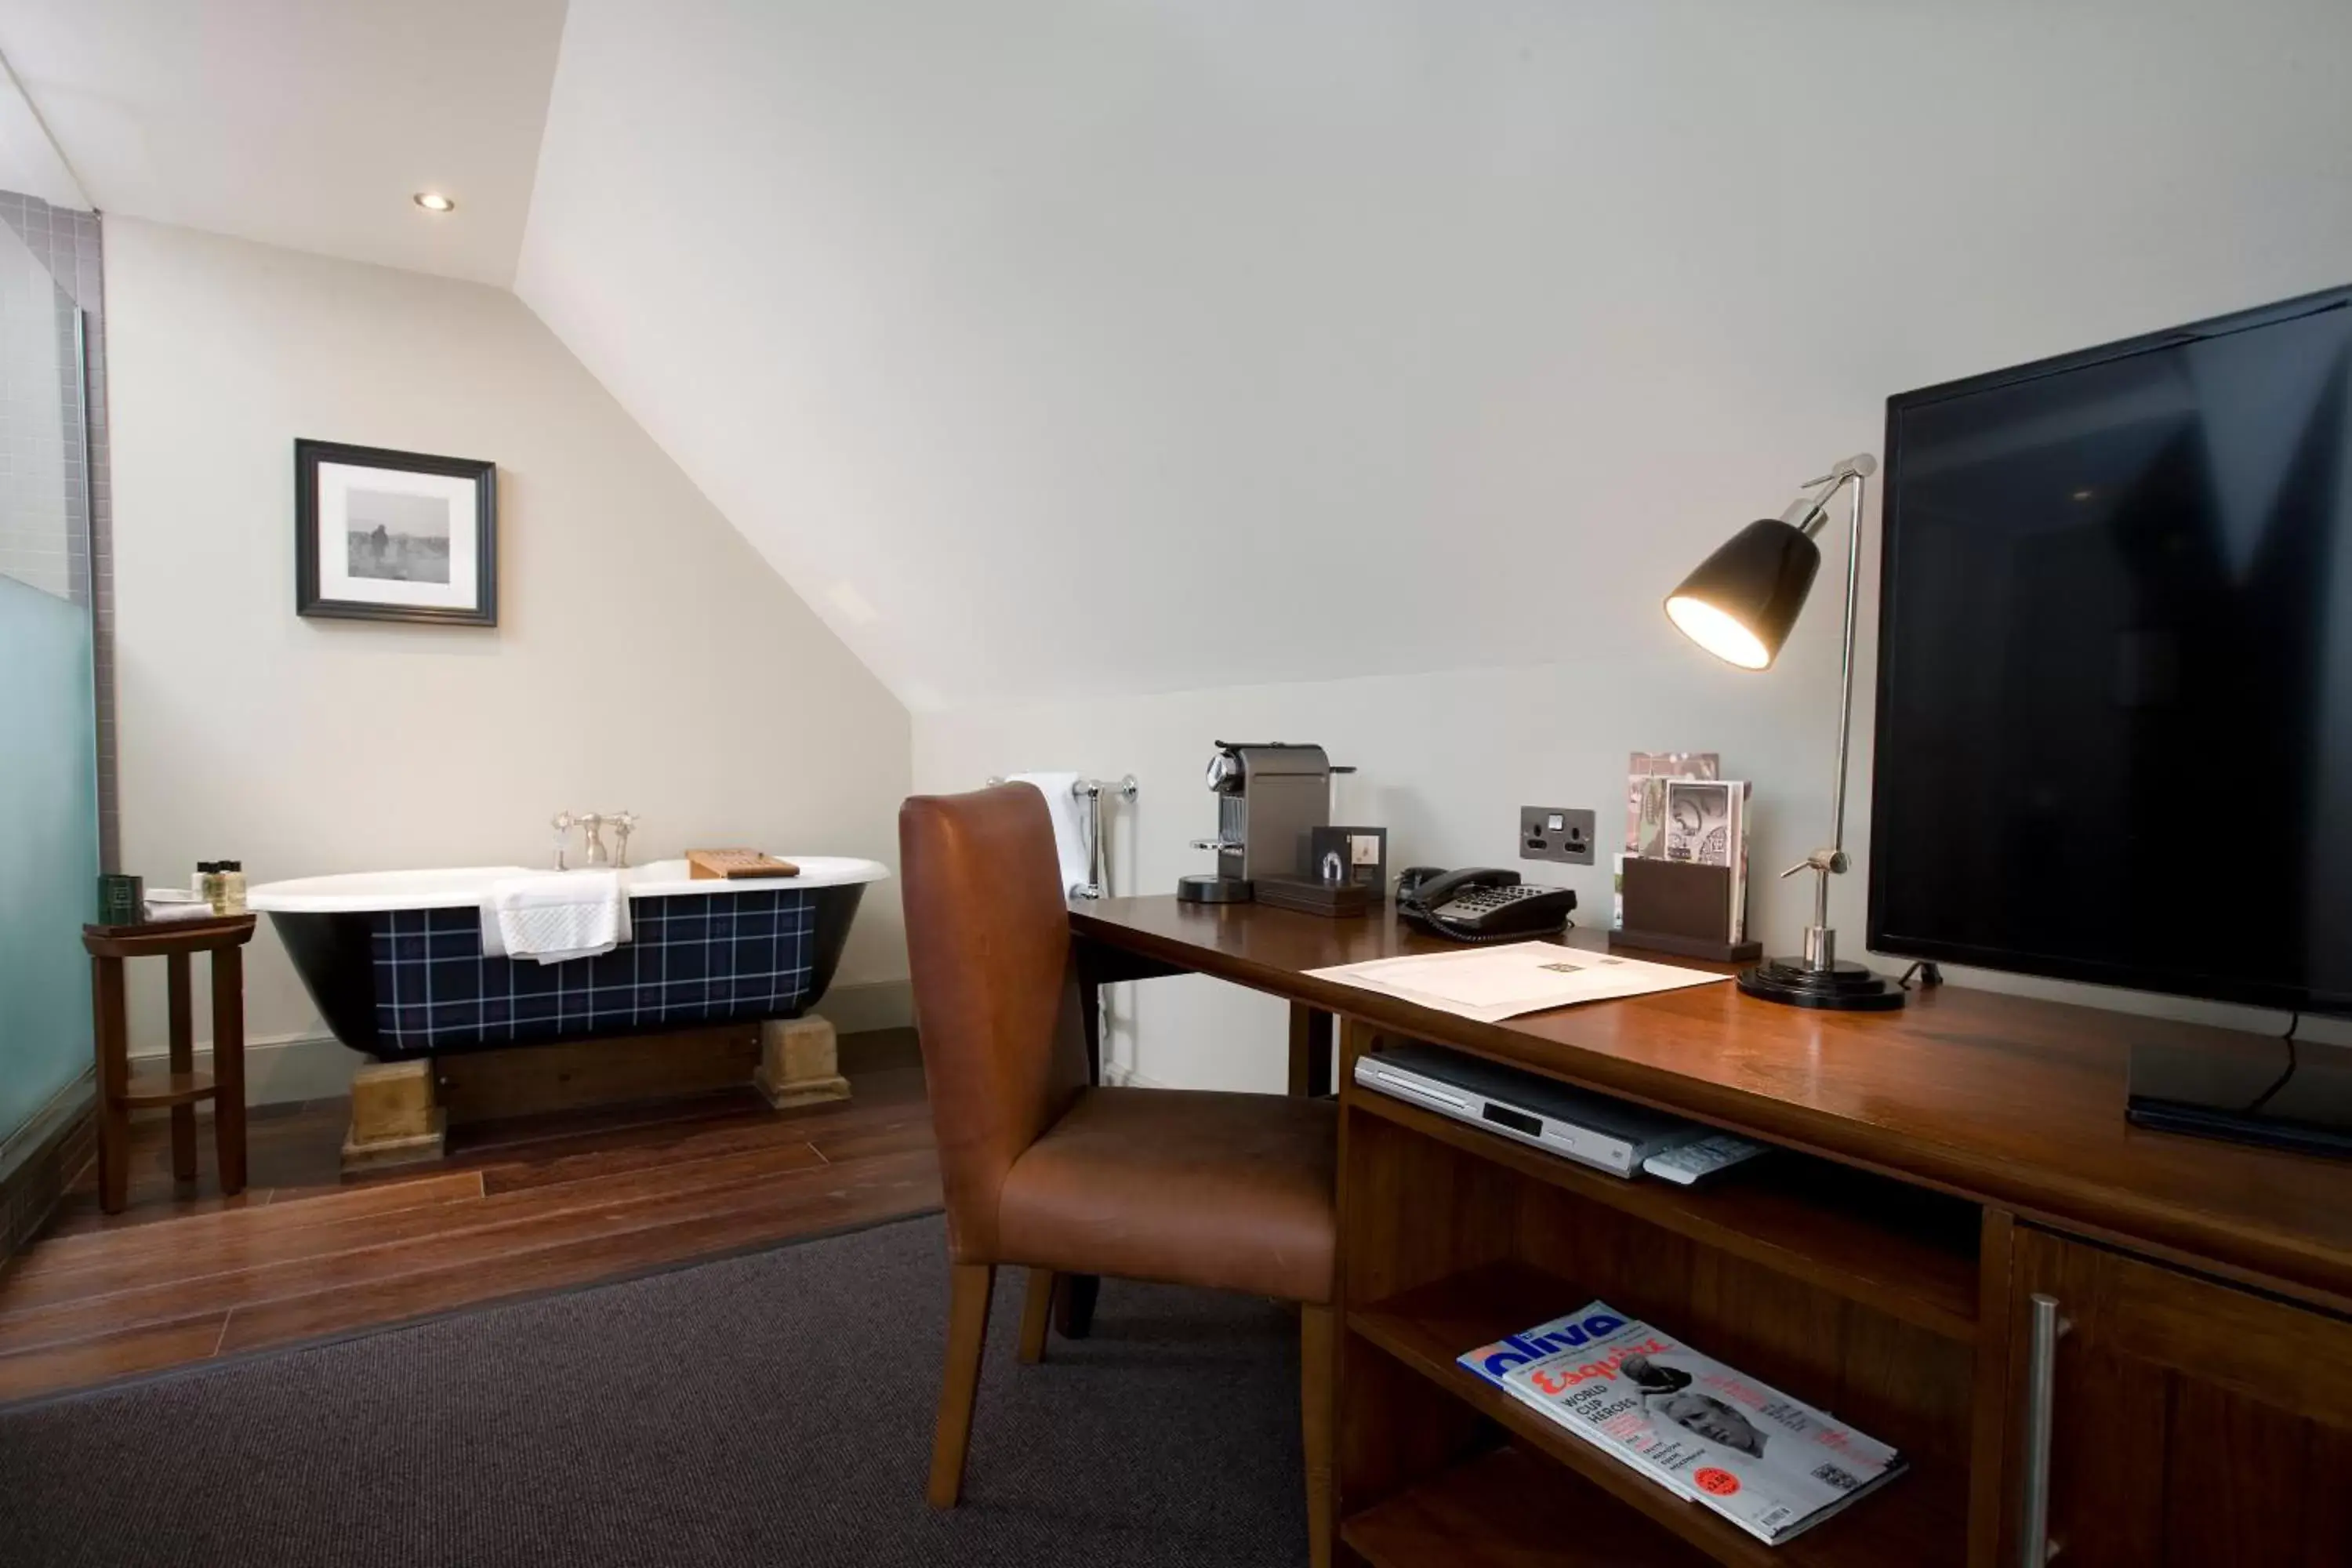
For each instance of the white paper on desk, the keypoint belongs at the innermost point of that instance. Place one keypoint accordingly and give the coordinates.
(1491, 984)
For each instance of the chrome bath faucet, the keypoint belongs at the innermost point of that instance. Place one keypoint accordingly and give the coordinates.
(592, 824)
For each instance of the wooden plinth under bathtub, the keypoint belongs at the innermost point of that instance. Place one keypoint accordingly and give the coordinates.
(401, 1112)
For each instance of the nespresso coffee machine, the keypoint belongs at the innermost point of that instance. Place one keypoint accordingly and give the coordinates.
(1271, 797)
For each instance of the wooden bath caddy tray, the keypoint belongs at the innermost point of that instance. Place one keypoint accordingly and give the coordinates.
(735, 865)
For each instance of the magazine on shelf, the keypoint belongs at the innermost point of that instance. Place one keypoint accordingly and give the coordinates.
(1772, 1465)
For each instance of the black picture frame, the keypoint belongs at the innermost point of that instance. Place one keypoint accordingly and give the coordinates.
(311, 602)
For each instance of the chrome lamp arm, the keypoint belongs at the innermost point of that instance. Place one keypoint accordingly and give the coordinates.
(1740, 604)
(1808, 514)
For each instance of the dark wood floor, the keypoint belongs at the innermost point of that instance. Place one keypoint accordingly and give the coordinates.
(184, 1274)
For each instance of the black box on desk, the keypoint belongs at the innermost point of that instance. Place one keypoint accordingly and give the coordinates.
(1359, 855)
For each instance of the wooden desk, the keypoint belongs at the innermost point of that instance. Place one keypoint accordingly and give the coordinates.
(1943, 1165)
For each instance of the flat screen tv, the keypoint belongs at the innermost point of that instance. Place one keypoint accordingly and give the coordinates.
(2114, 665)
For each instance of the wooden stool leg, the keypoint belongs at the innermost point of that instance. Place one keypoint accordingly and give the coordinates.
(111, 1035)
(228, 1065)
(1318, 1419)
(1036, 1316)
(974, 1284)
(183, 1060)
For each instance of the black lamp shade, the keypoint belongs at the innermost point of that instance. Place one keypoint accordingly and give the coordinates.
(1742, 600)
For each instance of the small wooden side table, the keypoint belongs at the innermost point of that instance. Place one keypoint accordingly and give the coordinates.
(120, 1092)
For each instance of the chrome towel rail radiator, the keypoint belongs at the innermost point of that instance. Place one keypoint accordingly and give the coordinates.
(1088, 793)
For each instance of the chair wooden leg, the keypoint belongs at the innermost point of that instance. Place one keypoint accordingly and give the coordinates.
(1074, 1304)
(972, 1285)
(1318, 1418)
(1036, 1316)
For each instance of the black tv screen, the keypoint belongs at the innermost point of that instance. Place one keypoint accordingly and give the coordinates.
(2114, 665)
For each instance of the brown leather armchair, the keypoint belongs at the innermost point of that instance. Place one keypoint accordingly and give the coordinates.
(1232, 1192)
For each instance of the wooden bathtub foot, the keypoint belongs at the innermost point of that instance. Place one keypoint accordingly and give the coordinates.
(800, 1063)
(395, 1119)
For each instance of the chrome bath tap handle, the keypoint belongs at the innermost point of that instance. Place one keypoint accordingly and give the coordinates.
(592, 824)
(623, 824)
(563, 823)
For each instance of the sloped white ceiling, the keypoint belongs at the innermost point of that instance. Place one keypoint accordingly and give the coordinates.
(306, 123)
(1065, 346)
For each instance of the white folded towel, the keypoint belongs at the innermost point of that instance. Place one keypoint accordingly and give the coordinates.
(1069, 825)
(555, 918)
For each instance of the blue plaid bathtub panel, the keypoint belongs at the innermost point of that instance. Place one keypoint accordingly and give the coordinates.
(695, 959)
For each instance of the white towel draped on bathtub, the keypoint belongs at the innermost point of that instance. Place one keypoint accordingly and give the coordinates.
(556, 917)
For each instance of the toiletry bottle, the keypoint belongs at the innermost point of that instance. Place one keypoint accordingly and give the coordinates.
(207, 886)
(231, 900)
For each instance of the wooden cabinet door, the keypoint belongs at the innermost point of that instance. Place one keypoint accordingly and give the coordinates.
(2191, 1424)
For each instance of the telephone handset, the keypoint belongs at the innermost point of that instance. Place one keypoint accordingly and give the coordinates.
(1481, 904)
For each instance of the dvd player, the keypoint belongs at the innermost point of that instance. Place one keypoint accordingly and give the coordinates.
(1593, 1129)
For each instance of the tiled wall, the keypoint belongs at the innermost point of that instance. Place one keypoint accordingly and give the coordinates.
(55, 502)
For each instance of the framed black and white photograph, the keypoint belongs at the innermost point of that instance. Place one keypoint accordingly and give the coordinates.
(381, 535)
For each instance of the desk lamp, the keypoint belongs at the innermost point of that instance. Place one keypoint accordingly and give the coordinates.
(1740, 605)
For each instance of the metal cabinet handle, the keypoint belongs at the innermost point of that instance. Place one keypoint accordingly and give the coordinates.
(2041, 1393)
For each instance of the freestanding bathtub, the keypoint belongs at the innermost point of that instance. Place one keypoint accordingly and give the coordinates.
(393, 959)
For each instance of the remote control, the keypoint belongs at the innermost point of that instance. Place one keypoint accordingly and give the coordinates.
(1688, 1163)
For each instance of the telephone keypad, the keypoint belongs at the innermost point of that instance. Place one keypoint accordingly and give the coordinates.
(1473, 901)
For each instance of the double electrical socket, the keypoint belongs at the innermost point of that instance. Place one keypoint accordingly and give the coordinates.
(1552, 833)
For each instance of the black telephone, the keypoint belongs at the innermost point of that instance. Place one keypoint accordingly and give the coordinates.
(1481, 904)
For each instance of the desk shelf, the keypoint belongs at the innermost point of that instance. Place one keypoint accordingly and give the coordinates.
(1919, 1519)
(1508, 1508)
(1902, 1250)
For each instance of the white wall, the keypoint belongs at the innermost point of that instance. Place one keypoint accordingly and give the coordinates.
(1047, 328)
(646, 658)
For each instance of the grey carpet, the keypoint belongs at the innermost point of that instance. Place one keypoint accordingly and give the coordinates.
(774, 1408)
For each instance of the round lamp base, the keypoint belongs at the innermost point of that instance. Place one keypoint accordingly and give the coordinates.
(1846, 988)
(1198, 889)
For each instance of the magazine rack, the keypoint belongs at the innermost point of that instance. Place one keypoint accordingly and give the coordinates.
(1679, 908)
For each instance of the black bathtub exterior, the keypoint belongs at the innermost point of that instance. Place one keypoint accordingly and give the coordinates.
(412, 984)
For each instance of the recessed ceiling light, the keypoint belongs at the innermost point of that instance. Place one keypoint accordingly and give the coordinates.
(434, 202)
